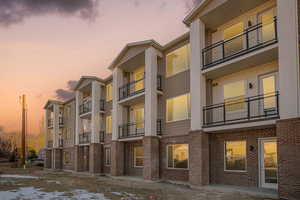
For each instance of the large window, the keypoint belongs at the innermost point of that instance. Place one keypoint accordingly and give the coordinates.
(138, 76)
(67, 157)
(138, 156)
(234, 96)
(234, 44)
(178, 108)
(139, 117)
(178, 60)
(107, 157)
(178, 156)
(108, 124)
(235, 155)
(109, 92)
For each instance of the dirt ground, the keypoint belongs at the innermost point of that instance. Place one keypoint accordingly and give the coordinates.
(110, 188)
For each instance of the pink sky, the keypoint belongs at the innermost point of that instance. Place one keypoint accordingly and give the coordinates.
(44, 52)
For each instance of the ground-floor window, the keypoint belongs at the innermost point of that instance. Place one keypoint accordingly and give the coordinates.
(107, 157)
(67, 157)
(235, 155)
(178, 156)
(138, 152)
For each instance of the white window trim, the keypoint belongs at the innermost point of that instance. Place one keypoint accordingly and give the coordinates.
(237, 171)
(188, 154)
(134, 158)
(189, 112)
(189, 61)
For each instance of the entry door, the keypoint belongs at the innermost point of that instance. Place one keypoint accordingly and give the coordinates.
(268, 164)
(267, 31)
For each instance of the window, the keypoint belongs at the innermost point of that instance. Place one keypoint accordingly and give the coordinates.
(138, 78)
(178, 108)
(178, 156)
(178, 60)
(138, 156)
(86, 125)
(235, 155)
(268, 27)
(108, 124)
(233, 45)
(234, 96)
(109, 92)
(107, 157)
(139, 117)
(67, 157)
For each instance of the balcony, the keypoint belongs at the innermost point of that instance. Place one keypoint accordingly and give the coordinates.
(136, 87)
(136, 129)
(50, 123)
(102, 105)
(50, 144)
(85, 108)
(60, 143)
(84, 138)
(61, 121)
(242, 110)
(253, 38)
(102, 136)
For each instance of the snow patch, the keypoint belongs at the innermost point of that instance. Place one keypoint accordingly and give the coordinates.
(17, 176)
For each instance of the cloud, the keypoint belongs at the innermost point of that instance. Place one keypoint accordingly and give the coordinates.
(16, 11)
(66, 94)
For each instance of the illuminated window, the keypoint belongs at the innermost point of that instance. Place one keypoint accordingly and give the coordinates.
(178, 156)
(234, 96)
(109, 92)
(107, 157)
(234, 42)
(108, 124)
(178, 108)
(235, 155)
(178, 60)
(138, 156)
(139, 117)
(268, 26)
(139, 79)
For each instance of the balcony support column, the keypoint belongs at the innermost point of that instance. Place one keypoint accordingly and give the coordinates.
(46, 118)
(55, 126)
(78, 124)
(95, 122)
(198, 81)
(151, 65)
(288, 40)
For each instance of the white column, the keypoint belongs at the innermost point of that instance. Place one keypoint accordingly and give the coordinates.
(95, 122)
(55, 125)
(78, 120)
(46, 127)
(288, 58)
(117, 111)
(150, 117)
(198, 81)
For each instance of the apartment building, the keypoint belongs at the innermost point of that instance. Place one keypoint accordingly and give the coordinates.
(218, 105)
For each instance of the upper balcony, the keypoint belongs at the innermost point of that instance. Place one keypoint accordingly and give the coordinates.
(242, 110)
(137, 87)
(50, 123)
(251, 39)
(61, 121)
(86, 107)
(84, 138)
(50, 144)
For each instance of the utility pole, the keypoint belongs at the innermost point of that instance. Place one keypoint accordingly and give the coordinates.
(23, 130)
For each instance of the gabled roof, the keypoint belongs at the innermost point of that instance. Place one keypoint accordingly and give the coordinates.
(83, 78)
(131, 45)
(195, 11)
(49, 102)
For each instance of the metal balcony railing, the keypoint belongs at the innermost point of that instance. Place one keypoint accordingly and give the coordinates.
(136, 87)
(50, 123)
(136, 129)
(61, 121)
(102, 136)
(102, 105)
(50, 144)
(86, 107)
(253, 38)
(241, 110)
(60, 142)
(85, 138)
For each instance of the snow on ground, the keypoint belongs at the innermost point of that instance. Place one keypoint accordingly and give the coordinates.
(36, 194)
(18, 176)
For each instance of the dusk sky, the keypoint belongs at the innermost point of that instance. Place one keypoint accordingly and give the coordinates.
(43, 46)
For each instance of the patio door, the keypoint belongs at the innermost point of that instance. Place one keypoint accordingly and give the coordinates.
(268, 163)
(267, 32)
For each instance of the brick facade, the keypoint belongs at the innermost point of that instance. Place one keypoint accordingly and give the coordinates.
(250, 178)
(129, 169)
(151, 158)
(95, 158)
(57, 159)
(288, 132)
(117, 158)
(68, 163)
(48, 159)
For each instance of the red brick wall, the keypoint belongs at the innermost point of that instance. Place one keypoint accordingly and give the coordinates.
(70, 165)
(249, 178)
(129, 159)
(289, 159)
(172, 174)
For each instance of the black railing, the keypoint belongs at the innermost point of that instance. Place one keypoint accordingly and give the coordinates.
(261, 107)
(136, 129)
(102, 105)
(159, 82)
(84, 138)
(61, 121)
(60, 142)
(253, 38)
(86, 107)
(50, 123)
(102, 136)
(50, 144)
